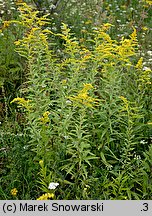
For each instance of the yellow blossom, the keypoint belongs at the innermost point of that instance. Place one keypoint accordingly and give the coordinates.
(86, 54)
(83, 98)
(124, 99)
(6, 24)
(144, 28)
(17, 43)
(83, 31)
(106, 26)
(126, 103)
(105, 37)
(148, 2)
(41, 162)
(82, 40)
(126, 48)
(63, 82)
(133, 36)
(14, 192)
(86, 87)
(45, 119)
(46, 196)
(22, 102)
(149, 123)
(88, 22)
(139, 64)
(144, 78)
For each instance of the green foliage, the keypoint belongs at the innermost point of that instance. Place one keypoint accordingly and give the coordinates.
(11, 67)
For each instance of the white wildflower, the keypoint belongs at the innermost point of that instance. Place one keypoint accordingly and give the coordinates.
(149, 52)
(53, 185)
(68, 102)
(146, 68)
(143, 142)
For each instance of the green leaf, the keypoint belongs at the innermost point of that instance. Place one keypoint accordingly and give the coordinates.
(105, 161)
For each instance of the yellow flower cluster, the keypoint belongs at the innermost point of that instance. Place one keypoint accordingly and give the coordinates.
(6, 24)
(14, 192)
(126, 49)
(145, 78)
(41, 162)
(139, 64)
(88, 22)
(112, 50)
(85, 55)
(148, 2)
(106, 26)
(72, 46)
(35, 35)
(149, 123)
(45, 119)
(144, 28)
(46, 196)
(29, 16)
(126, 103)
(64, 82)
(22, 102)
(83, 97)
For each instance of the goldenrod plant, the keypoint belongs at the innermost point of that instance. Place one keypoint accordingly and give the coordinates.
(85, 106)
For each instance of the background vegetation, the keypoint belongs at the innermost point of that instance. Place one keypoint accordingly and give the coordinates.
(75, 99)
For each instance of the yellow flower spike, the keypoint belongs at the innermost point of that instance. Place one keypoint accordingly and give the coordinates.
(6, 24)
(139, 64)
(83, 97)
(144, 28)
(41, 162)
(35, 29)
(105, 37)
(17, 43)
(47, 31)
(88, 22)
(87, 86)
(106, 26)
(133, 36)
(46, 196)
(124, 99)
(45, 119)
(45, 115)
(22, 102)
(14, 192)
(126, 48)
(63, 82)
(126, 103)
(149, 123)
(29, 18)
(148, 2)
